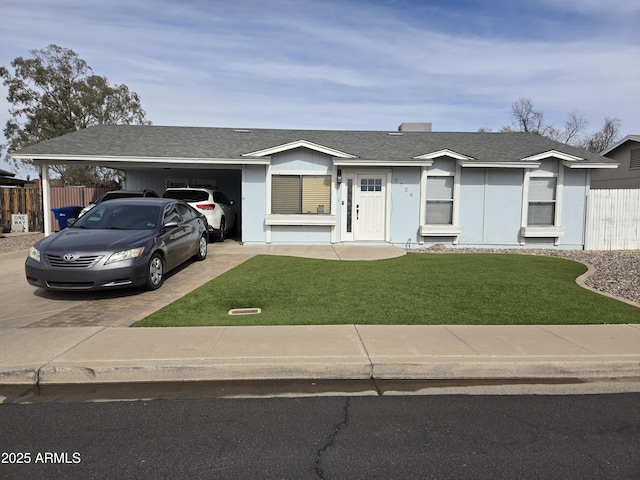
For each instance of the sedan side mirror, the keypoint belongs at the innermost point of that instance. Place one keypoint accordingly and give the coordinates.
(170, 225)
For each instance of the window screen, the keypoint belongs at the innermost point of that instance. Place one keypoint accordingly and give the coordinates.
(285, 194)
(295, 194)
(316, 195)
(542, 201)
(439, 200)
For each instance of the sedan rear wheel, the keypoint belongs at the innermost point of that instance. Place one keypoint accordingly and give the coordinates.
(202, 247)
(155, 272)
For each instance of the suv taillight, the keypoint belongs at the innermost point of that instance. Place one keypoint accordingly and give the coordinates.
(206, 206)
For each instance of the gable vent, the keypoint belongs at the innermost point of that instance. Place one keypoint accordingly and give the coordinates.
(635, 159)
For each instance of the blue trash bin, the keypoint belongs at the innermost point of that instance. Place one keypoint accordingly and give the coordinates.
(63, 214)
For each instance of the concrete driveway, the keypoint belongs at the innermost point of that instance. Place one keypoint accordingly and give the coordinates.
(26, 306)
(21, 303)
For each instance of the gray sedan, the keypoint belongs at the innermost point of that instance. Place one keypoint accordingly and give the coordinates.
(120, 243)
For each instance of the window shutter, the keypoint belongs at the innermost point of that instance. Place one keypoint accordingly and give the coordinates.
(285, 194)
(316, 194)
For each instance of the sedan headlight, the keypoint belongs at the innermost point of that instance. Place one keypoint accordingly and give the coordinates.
(125, 255)
(34, 253)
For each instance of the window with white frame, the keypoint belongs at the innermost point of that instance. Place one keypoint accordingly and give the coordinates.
(301, 194)
(541, 209)
(439, 209)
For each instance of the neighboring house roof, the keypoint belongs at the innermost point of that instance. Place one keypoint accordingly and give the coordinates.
(254, 145)
(628, 138)
(8, 178)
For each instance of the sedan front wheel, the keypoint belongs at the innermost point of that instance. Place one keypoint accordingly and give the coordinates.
(155, 272)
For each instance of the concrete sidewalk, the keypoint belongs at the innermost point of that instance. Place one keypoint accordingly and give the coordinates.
(96, 355)
(92, 350)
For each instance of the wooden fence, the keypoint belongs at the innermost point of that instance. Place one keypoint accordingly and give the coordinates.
(29, 201)
(22, 201)
(614, 220)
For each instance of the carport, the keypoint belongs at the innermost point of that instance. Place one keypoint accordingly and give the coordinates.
(150, 157)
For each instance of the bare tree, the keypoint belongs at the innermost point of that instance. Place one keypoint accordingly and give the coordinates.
(599, 141)
(525, 118)
(574, 125)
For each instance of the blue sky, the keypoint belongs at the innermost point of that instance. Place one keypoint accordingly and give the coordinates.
(340, 64)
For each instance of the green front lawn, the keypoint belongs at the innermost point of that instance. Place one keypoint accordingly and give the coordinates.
(416, 289)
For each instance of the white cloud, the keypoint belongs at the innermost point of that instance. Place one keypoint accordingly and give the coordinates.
(622, 7)
(334, 64)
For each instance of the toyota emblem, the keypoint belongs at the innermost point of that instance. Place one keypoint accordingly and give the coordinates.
(69, 257)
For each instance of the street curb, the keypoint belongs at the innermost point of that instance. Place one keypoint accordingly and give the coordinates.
(509, 369)
(195, 372)
(435, 368)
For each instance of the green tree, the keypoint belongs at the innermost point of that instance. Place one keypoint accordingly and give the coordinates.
(54, 93)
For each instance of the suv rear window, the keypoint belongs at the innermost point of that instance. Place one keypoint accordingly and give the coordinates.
(116, 194)
(187, 195)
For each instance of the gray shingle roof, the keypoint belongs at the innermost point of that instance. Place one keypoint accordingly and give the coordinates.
(152, 141)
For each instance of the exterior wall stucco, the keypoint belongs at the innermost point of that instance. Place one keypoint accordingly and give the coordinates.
(254, 196)
(302, 160)
(490, 201)
(490, 206)
(404, 208)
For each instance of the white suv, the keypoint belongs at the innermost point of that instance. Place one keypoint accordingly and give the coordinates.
(213, 204)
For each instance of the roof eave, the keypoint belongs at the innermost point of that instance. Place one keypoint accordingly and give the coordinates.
(554, 154)
(590, 165)
(361, 162)
(518, 164)
(128, 160)
(444, 153)
(299, 144)
(628, 138)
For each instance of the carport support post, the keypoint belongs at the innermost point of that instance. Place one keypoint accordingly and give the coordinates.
(46, 200)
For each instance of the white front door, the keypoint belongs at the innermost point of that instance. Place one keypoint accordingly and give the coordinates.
(365, 207)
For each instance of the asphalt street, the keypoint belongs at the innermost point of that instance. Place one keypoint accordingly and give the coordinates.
(342, 437)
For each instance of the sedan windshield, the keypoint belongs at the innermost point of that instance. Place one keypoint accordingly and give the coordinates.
(120, 217)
